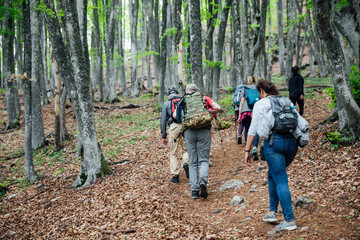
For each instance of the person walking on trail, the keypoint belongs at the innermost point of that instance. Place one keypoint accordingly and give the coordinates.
(279, 149)
(173, 131)
(236, 103)
(245, 110)
(198, 141)
(296, 89)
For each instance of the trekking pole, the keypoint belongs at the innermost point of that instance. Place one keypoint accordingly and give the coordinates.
(221, 141)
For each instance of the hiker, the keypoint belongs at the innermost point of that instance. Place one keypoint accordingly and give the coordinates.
(236, 103)
(296, 89)
(173, 131)
(245, 110)
(197, 137)
(280, 147)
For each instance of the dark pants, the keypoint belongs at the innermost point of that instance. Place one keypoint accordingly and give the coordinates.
(300, 102)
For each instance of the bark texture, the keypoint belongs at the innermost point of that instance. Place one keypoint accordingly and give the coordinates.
(324, 15)
(162, 67)
(9, 71)
(75, 74)
(219, 50)
(38, 136)
(29, 165)
(195, 44)
(134, 8)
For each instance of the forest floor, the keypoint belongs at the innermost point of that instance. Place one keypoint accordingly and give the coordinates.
(138, 201)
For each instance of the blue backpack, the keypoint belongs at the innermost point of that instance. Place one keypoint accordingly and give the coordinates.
(252, 96)
(237, 95)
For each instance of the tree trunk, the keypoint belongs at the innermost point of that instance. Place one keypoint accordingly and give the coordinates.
(237, 60)
(57, 106)
(154, 36)
(209, 53)
(347, 22)
(121, 50)
(38, 136)
(19, 48)
(93, 163)
(269, 63)
(44, 49)
(29, 166)
(99, 50)
(134, 7)
(162, 67)
(64, 135)
(111, 80)
(289, 42)
(280, 11)
(259, 40)
(9, 72)
(325, 21)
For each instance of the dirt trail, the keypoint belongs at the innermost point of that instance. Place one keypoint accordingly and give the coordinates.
(138, 201)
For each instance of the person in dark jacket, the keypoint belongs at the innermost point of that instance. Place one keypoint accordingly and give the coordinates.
(296, 89)
(173, 133)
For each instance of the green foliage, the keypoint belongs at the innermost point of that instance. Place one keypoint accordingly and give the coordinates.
(354, 78)
(340, 138)
(4, 188)
(227, 104)
(342, 4)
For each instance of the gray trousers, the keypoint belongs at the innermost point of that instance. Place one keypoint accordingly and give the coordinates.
(198, 144)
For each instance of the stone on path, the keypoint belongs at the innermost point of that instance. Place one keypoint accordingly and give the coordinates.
(233, 183)
(237, 200)
(302, 201)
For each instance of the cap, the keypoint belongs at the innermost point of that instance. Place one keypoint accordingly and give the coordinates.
(173, 91)
(191, 88)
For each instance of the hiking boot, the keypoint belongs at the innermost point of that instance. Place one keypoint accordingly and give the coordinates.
(286, 226)
(203, 191)
(254, 154)
(195, 194)
(186, 168)
(239, 141)
(270, 218)
(175, 179)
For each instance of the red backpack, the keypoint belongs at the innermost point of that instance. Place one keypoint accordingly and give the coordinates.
(174, 103)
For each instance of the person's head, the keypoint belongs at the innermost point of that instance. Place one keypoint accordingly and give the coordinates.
(172, 92)
(295, 69)
(267, 87)
(250, 80)
(191, 88)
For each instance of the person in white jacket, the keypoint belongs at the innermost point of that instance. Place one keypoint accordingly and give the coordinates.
(279, 150)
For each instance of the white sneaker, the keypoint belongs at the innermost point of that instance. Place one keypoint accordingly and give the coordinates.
(270, 218)
(287, 226)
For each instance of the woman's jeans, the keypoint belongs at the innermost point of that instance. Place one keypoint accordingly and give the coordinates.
(278, 157)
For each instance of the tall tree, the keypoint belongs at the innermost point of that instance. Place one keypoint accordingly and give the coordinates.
(154, 35)
(162, 67)
(219, 50)
(251, 51)
(99, 49)
(29, 165)
(111, 79)
(72, 68)
(289, 40)
(280, 11)
(134, 8)
(325, 18)
(38, 135)
(237, 69)
(209, 42)
(121, 49)
(9, 69)
(195, 44)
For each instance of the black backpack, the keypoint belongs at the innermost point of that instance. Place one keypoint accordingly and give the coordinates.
(285, 115)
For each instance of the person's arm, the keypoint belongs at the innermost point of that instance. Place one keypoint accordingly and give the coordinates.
(247, 149)
(302, 88)
(215, 107)
(240, 106)
(163, 121)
